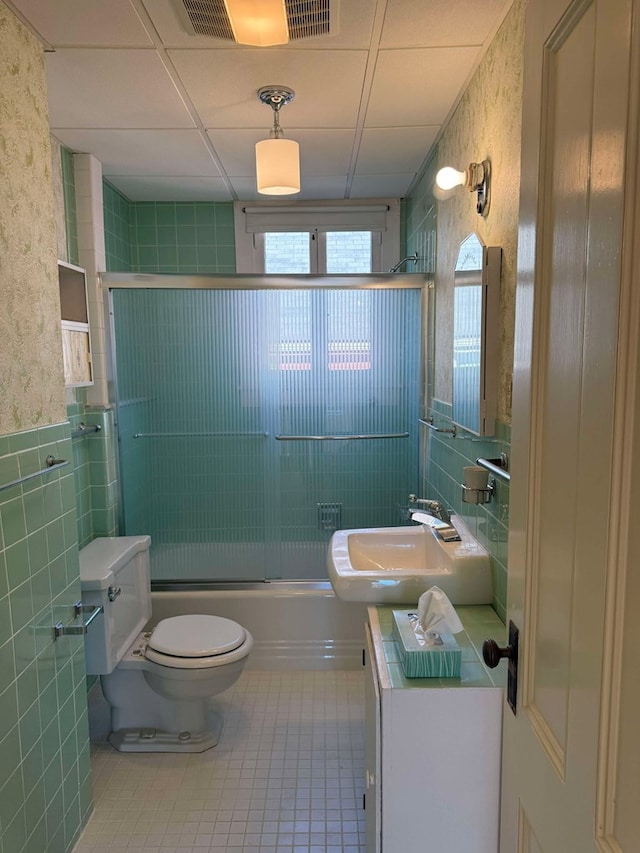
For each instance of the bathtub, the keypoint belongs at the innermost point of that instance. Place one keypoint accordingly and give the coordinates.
(295, 624)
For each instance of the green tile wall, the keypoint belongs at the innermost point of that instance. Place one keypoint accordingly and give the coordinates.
(117, 229)
(95, 478)
(70, 217)
(45, 786)
(168, 237)
(442, 460)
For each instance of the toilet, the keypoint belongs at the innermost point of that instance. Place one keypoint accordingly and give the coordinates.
(158, 682)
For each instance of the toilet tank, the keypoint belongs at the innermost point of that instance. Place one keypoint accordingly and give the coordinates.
(114, 573)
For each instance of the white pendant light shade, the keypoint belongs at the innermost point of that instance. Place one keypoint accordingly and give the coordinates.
(258, 22)
(278, 166)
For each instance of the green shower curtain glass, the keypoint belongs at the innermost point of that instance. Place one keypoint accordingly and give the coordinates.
(217, 392)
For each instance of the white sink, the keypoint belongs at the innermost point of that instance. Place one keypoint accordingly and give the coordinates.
(387, 565)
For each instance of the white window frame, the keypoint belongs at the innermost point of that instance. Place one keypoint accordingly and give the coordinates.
(380, 216)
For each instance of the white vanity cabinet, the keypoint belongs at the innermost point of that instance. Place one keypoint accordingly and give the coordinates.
(432, 746)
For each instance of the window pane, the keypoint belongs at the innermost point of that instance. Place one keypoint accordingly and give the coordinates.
(286, 252)
(294, 346)
(348, 251)
(349, 330)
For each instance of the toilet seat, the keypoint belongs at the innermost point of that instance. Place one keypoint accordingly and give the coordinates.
(196, 642)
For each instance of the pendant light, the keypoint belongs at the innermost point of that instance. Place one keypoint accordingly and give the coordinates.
(277, 159)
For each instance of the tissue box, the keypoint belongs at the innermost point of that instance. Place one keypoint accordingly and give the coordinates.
(420, 661)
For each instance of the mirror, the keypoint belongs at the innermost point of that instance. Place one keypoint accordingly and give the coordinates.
(476, 296)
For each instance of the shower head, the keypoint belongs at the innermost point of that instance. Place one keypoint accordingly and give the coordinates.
(397, 266)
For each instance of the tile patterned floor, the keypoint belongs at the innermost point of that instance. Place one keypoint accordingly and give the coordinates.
(286, 776)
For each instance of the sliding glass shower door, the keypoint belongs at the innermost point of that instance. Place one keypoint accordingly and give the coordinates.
(253, 423)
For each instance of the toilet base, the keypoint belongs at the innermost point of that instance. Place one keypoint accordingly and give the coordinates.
(155, 740)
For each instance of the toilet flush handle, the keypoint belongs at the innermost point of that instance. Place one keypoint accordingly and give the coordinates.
(113, 592)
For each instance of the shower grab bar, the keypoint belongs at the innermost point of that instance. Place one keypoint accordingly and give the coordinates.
(197, 434)
(429, 423)
(85, 429)
(499, 467)
(340, 437)
(52, 464)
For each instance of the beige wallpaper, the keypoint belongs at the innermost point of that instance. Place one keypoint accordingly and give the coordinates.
(486, 125)
(31, 381)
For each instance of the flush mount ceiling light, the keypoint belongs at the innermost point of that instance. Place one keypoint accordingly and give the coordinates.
(476, 178)
(277, 159)
(258, 22)
(235, 20)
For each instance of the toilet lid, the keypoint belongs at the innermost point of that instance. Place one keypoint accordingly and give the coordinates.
(196, 636)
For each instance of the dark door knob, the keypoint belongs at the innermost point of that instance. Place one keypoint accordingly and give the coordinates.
(492, 653)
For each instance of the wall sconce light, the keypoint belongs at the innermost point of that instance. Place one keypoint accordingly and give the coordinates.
(476, 178)
(258, 22)
(277, 159)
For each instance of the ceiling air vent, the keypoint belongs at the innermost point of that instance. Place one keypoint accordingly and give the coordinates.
(306, 18)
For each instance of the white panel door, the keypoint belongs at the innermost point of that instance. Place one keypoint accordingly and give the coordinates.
(573, 418)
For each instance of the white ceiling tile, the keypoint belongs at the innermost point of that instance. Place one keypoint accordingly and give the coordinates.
(144, 152)
(223, 84)
(112, 89)
(245, 189)
(394, 149)
(170, 188)
(328, 187)
(86, 22)
(354, 28)
(412, 23)
(236, 149)
(322, 152)
(113, 94)
(417, 86)
(372, 186)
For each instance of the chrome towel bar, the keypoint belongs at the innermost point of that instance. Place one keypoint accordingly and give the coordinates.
(341, 437)
(60, 630)
(429, 423)
(499, 467)
(199, 434)
(52, 465)
(85, 429)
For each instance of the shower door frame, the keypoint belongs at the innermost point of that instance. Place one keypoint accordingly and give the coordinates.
(111, 281)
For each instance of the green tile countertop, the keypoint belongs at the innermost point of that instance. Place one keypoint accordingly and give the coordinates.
(480, 622)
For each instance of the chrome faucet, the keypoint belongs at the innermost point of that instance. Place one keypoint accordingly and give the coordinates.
(435, 516)
(432, 507)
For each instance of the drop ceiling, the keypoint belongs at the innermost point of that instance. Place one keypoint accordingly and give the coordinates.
(175, 117)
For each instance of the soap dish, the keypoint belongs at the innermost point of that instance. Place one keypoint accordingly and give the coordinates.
(422, 661)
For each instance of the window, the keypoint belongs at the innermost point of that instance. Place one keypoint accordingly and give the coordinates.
(334, 252)
(348, 251)
(323, 330)
(335, 238)
(287, 252)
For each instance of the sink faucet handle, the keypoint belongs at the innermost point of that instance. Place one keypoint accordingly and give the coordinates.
(433, 507)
